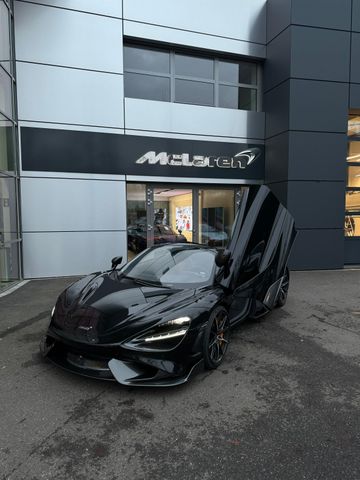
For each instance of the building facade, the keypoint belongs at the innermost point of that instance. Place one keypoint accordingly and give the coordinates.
(141, 121)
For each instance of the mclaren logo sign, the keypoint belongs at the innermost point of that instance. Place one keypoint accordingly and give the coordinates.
(240, 160)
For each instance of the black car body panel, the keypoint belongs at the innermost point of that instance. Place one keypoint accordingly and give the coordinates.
(151, 330)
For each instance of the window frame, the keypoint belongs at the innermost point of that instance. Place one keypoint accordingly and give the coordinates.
(172, 76)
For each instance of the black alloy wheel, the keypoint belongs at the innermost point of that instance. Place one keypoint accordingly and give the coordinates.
(216, 338)
(284, 289)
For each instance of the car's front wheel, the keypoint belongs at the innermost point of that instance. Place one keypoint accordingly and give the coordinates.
(216, 337)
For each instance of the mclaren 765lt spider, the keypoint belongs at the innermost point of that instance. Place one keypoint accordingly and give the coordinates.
(170, 311)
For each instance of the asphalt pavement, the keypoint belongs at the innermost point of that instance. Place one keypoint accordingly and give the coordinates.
(285, 404)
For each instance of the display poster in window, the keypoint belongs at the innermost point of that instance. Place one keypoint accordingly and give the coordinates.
(184, 219)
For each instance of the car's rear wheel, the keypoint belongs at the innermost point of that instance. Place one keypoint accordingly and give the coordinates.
(283, 292)
(216, 338)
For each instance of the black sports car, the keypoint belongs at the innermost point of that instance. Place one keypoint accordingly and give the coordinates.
(155, 320)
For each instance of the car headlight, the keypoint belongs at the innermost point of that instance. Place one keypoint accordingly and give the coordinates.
(52, 312)
(164, 336)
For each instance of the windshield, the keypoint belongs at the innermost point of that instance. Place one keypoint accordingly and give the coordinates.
(173, 266)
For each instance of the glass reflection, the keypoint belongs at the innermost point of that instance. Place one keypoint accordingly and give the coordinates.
(354, 126)
(353, 152)
(173, 215)
(136, 219)
(146, 59)
(216, 214)
(9, 251)
(352, 226)
(5, 46)
(7, 151)
(148, 87)
(243, 72)
(353, 201)
(354, 176)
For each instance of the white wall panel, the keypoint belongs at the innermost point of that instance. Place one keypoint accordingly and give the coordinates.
(64, 37)
(180, 118)
(239, 19)
(65, 95)
(112, 8)
(72, 253)
(191, 39)
(63, 205)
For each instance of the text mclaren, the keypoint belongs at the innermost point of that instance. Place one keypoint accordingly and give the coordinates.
(240, 160)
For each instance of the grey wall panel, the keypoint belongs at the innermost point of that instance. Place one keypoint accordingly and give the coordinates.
(318, 249)
(317, 204)
(322, 13)
(72, 39)
(63, 95)
(276, 103)
(318, 106)
(112, 8)
(70, 253)
(244, 20)
(356, 16)
(278, 17)
(53, 204)
(317, 156)
(320, 54)
(198, 40)
(280, 189)
(276, 158)
(355, 58)
(180, 118)
(277, 64)
(355, 96)
(352, 251)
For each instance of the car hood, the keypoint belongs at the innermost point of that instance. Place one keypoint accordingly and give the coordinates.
(107, 308)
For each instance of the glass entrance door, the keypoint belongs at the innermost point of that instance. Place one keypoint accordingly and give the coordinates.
(168, 214)
(216, 216)
(172, 215)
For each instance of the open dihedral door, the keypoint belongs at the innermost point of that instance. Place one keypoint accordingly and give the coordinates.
(259, 248)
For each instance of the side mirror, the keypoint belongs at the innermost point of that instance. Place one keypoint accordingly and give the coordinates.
(115, 262)
(222, 258)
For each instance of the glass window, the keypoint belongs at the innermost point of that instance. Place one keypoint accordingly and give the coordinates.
(136, 58)
(4, 37)
(353, 201)
(7, 153)
(228, 96)
(173, 266)
(5, 94)
(179, 77)
(149, 87)
(353, 152)
(352, 226)
(238, 72)
(216, 214)
(136, 219)
(9, 263)
(8, 211)
(188, 91)
(354, 176)
(189, 66)
(354, 126)
(235, 97)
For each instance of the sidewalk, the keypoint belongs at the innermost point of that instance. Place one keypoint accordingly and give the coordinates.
(285, 404)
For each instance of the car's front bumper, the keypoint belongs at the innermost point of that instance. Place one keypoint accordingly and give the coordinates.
(126, 366)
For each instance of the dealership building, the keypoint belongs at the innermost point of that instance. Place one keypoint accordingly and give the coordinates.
(126, 123)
